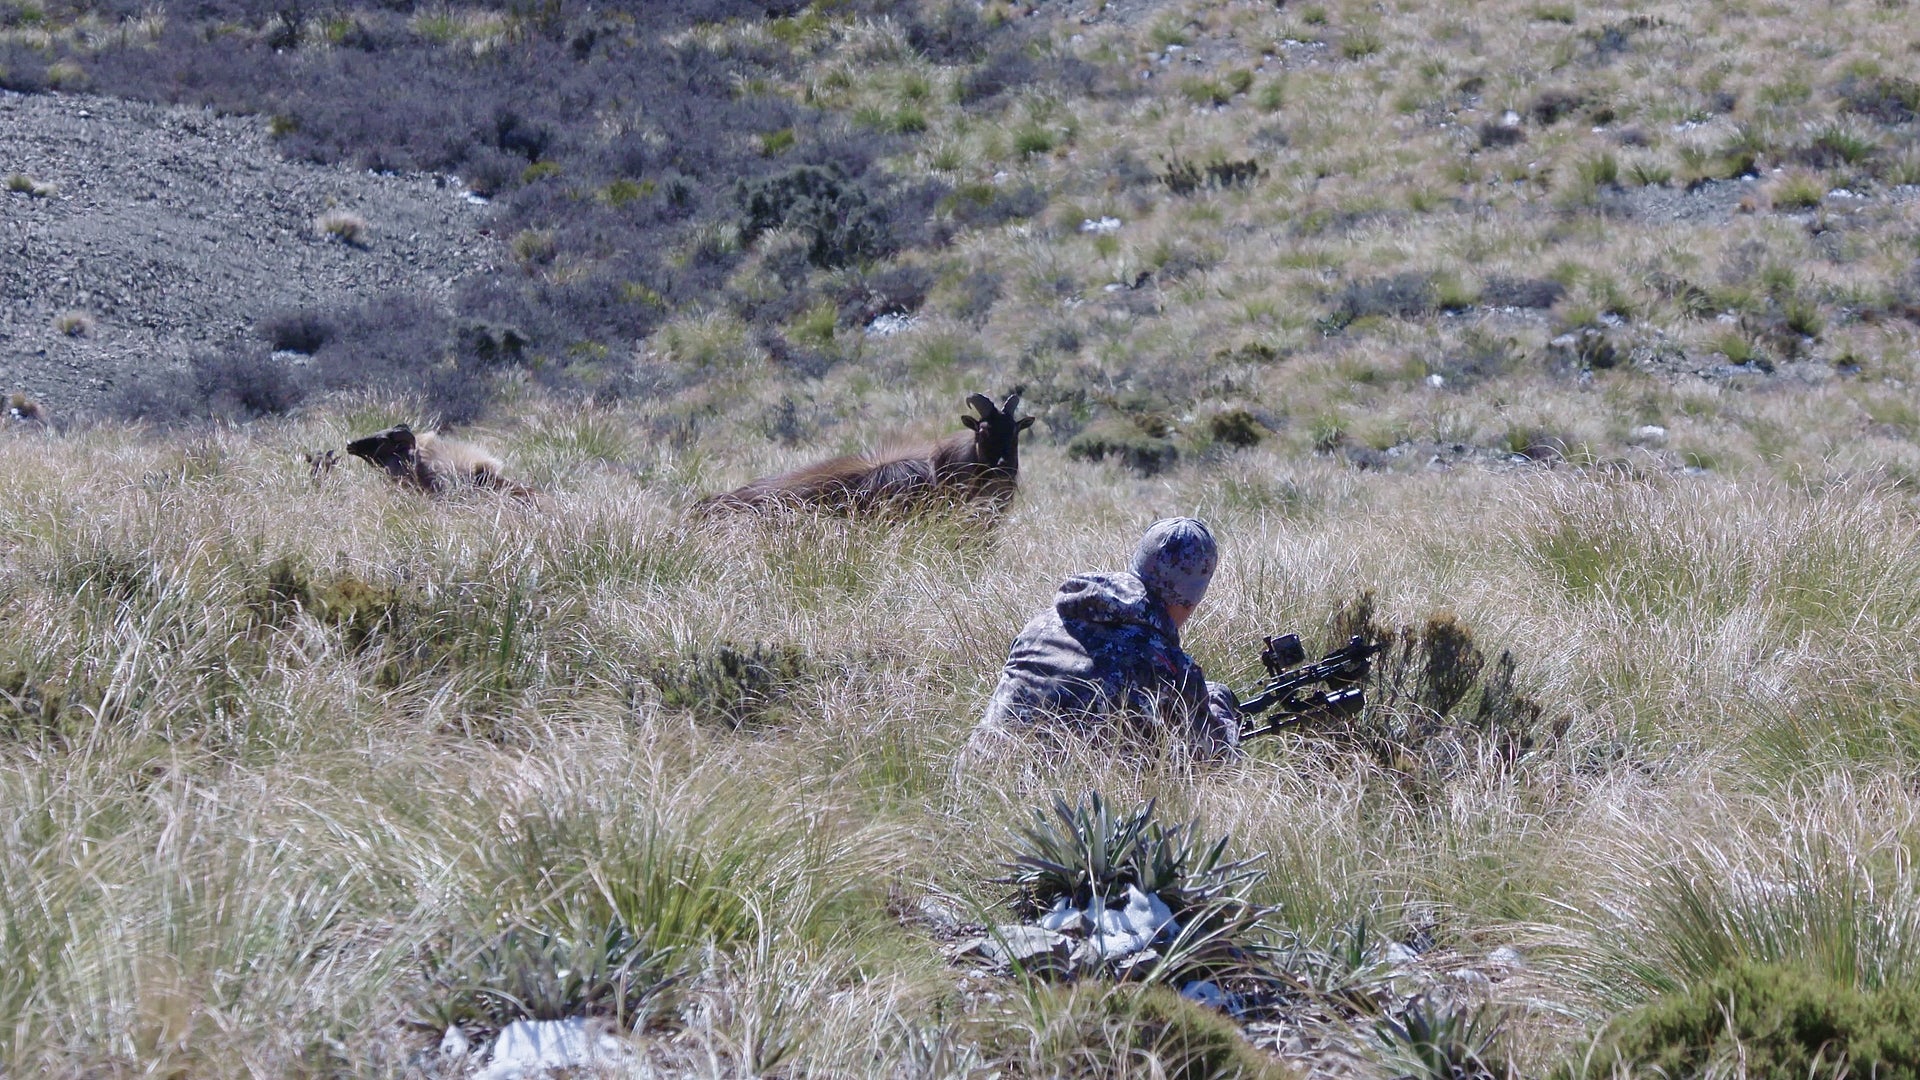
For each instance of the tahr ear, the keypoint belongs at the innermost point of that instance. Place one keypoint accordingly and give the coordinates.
(971, 421)
(1025, 423)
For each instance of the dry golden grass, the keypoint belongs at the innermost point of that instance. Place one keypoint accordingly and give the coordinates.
(270, 745)
(266, 794)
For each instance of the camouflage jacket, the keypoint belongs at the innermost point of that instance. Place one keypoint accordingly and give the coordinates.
(1104, 652)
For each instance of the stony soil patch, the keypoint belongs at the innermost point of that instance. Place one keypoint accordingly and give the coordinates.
(175, 231)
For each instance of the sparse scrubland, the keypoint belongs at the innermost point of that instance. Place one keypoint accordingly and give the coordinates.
(1584, 336)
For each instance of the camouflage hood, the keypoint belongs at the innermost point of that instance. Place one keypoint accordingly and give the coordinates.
(1117, 599)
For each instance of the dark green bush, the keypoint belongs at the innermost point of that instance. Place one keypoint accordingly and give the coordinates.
(1784, 1023)
(841, 224)
(1887, 99)
(735, 687)
(1432, 685)
(1126, 440)
(1236, 427)
(1184, 177)
(1405, 295)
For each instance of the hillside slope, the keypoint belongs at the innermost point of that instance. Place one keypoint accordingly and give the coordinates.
(177, 232)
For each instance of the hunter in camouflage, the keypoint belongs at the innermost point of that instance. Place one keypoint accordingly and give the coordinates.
(1106, 656)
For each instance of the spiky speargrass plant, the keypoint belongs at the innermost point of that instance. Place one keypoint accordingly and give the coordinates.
(529, 973)
(1086, 851)
(1090, 856)
(1432, 1038)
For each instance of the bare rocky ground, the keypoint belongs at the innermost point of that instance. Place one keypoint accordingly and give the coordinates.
(174, 231)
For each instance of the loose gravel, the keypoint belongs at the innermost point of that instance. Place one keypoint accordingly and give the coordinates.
(174, 231)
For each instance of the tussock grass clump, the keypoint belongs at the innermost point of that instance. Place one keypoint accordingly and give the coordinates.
(1090, 1030)
(22, 184)
(74, 323)
(344, 226)
(1766, 1020)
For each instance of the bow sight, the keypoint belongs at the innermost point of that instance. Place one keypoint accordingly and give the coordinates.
(1333, 685)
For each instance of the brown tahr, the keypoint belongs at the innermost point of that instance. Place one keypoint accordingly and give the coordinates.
(978, 466)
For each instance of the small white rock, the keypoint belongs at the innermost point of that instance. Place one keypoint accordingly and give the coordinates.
(1100, 225)
(1063, 917)
(1507, 956)
(528, 1049)
(889, 324)
(1436, 380)
(455, 1043)
(1650, 433)
(1510, 119)
(1126, 930)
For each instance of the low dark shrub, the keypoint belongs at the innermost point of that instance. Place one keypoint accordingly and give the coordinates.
(732, 686)
(1609, 42)
(1888, 99)
(1479, 356)
(490, 172)
(899, 290)
(1404, 295)
(1253, 352)
(1432, 686)
(517, 135)
(984, 206)
(239, 384)
(1494, 134)
(1125, 440)
(1006, 70)
(797, 360)
(304, 331)
(975, 295)
(1183, 177)
(244, 384)
(834, 212)
(953, 34)
(1521, 292)
(1554, 104)
(1778, 1021)
(1236, 427)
